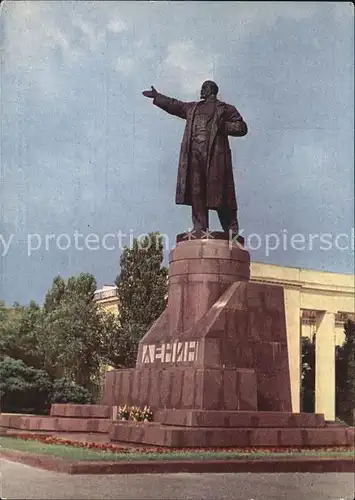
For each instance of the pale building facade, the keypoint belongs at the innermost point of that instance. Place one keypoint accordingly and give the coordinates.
(107, 298)
(317, 304)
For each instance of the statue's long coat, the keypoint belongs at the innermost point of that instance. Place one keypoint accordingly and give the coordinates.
(220, 189)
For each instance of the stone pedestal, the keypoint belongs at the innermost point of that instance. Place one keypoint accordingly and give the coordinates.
(217, 355)
(221, 342)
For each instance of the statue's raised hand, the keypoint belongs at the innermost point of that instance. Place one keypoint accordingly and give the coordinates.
(150, 93)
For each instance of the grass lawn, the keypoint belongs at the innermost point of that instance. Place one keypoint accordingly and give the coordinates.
(72, 453)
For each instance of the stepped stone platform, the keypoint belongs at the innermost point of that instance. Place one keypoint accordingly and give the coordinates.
(214, 367)
(184, 428)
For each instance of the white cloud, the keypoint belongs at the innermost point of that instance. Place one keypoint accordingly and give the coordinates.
(116, 26)
(188, 66)
(36, 33)
(92, 35)
(190, 62)
(124, 65)
(30, 38)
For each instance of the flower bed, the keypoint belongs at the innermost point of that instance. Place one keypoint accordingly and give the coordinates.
(137, 414)
(116, 448)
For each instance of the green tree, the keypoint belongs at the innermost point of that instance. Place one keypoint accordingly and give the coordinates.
(142, 282)
(121, 341)
(142, 290)
(19, 334)
(345, 375)
(72, 334)
(55, 294)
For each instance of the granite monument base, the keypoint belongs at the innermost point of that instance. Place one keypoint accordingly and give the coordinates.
(214, 367)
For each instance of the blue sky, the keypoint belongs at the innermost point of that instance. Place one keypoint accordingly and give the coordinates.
(82, 150)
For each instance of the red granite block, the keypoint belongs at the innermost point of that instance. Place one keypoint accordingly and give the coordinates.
(179, 267)
(306, 420)
(188, 389)
(290, 437)
(165, 390)
(230, 391)
(213, 389)
(273, 297)
(324, 437)
(234, 297)
(255, 297)
(247, 393)
(154, 388)
(196, 437)
(263, 437)
(256, 324)
(273, 391)
(212, 353)
(238, 321)
(204, 418)
(81, 411)
(228, 437)
(144, 388)
(176, 389)
(119, 395)
(199, 393)
(175, 301)
(270, 356)
(136, 385)
(218, 325)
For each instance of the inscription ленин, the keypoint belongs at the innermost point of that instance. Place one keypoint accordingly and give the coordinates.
(170, 352)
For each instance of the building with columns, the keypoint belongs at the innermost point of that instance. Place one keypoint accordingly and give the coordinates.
(317, 305)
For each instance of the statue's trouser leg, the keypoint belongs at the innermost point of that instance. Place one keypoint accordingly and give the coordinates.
(199, 214)
(197, 179)
(228, 219)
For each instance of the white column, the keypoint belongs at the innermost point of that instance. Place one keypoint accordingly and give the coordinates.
(293, 326)
(325, 365)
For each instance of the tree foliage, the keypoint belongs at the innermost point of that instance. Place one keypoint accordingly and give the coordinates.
(142, 282)
(67, 391)
(70, 338)
(66, 337)
(23, 388)
(73, 331)
(19, 334)
(142, 290)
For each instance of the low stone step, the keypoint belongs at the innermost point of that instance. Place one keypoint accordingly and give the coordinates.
(173, 436)
(54, 424)
(81, 411)
(216, 418)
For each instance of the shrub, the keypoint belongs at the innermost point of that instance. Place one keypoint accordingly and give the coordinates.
(66, 391)
(23, 389)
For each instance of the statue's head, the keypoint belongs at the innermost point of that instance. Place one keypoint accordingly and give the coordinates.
(208, 88)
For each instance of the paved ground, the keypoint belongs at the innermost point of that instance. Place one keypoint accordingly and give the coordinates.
(22, 482)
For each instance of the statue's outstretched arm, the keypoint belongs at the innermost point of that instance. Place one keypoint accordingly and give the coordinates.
(168, 104)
